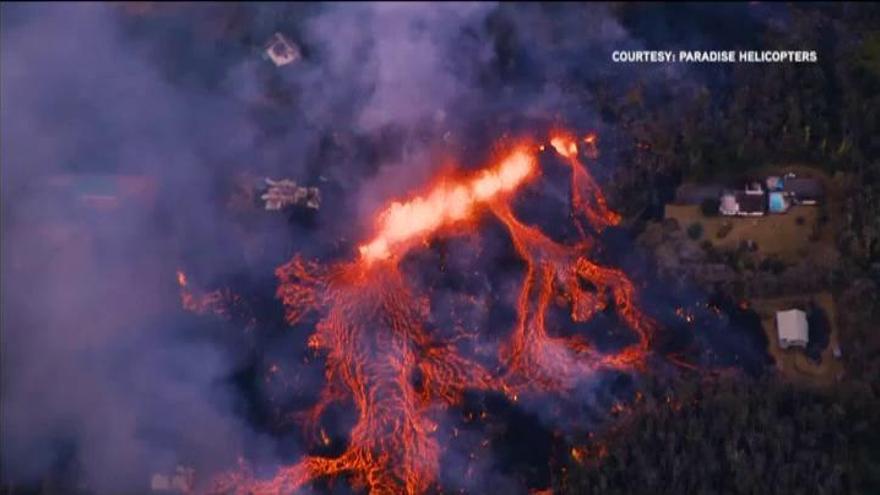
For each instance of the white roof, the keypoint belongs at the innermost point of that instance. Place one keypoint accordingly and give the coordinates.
(728, 206)
(792, 325)
(281, 50)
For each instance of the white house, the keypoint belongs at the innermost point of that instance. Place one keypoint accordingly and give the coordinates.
(792, 327)
(281, 50)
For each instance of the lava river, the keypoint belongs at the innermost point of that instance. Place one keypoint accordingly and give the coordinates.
(371, 325)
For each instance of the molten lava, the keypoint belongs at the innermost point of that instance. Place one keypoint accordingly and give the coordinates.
(215, 302)
(398, 376)
(447, 203)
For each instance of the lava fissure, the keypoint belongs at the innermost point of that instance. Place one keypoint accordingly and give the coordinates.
(399, 377)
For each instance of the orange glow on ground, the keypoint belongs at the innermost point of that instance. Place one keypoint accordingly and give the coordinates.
(372, 332)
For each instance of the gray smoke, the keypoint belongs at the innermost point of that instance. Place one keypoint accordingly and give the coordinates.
(93, 368)
(96, 361)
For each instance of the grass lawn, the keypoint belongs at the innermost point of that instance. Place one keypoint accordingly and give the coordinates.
(775, 234)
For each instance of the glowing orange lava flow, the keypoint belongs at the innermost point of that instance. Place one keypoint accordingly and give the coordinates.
(399, 377)
(535, 359)
(216, 302)
(583, 186)
(447, 203)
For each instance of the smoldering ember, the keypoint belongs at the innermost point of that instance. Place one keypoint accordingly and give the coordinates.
(382, 248)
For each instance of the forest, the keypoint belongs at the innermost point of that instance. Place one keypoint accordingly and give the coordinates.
(762, 435)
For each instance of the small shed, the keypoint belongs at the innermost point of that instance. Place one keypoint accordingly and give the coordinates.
(792, 327)
(728, 206)
(281, 50)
